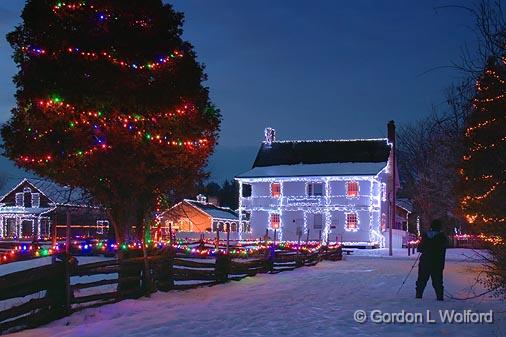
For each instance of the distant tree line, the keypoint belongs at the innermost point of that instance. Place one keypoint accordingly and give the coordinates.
(227, 194)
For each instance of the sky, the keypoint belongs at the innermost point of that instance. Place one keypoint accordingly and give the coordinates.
(320, 69)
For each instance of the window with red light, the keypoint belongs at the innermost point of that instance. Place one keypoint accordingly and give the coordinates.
(276, 190)
(352, 189)
(351, 221)
(275, 220)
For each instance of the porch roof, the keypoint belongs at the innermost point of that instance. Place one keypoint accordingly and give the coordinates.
(5, 210)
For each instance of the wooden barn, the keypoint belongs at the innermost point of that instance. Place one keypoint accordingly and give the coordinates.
(199, 216)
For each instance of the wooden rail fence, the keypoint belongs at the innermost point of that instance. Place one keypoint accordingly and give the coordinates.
(36, 296)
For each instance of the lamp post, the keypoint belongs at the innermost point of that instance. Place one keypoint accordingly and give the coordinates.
(391, 139)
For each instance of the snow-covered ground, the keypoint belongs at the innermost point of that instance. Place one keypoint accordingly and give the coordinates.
(41, 261)
(309, 301)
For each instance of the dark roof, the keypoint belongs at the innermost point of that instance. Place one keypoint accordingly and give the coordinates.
(321, 152)
(215, 211)
(56, 193)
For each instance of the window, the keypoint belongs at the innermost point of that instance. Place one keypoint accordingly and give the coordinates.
(315, 189)
(35, 200)
(20, 199)
(275, 220)
(246, 215)
(276, 190)
(351, 222)
(246, 190)
(317, 221)
(352, 189)
(101, 224)
(246, 227)
(233, 227)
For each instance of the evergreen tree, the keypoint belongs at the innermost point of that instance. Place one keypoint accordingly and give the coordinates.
(110, 99)
(483, 169)
(483, 166)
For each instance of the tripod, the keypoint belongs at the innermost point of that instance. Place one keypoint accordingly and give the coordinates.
(406, 278)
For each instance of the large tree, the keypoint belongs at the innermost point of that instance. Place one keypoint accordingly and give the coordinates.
(483, 166)
(110, 99)
(482, 188)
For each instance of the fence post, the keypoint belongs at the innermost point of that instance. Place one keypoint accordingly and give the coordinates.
(269, 257)
(58, 289)
(129, 275)
(299, 261)
(68, 289)
(228, 240)
(222, 267)
(164, 270)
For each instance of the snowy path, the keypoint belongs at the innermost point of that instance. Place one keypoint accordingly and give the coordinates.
(310, 301)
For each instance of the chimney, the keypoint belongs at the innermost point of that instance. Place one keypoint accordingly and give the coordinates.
(270, 135)
(202, 199)
(391, 132)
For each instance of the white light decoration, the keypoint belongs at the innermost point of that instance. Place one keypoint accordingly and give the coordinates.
(332, 140)
(324, 204)
(270, 135)
(373, 202)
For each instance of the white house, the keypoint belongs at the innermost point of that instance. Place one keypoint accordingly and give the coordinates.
(319, 189)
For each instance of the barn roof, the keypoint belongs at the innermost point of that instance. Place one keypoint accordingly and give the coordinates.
(215, 211)
(56, 193)
(320, 158)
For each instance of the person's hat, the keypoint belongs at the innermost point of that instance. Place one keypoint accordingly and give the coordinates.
(436, 225)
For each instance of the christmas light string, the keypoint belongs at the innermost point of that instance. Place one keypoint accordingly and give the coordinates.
(200, 249)
(152, 65)
(98, 121)
(102, 14)
(470, 129)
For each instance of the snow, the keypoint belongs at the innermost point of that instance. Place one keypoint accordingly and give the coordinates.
(23, 265)
(41, 261)
(453, 254)
(328, 169)
(309, 301)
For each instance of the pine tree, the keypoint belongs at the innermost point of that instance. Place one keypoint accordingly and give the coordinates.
(483, 170)
(110, 99)
(483, 166)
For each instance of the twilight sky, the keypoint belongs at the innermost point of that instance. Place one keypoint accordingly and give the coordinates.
(311, 69)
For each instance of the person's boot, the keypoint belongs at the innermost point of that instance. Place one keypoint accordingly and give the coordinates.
(440, 294)
(419, 293)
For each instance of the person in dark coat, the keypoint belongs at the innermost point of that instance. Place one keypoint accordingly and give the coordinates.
(432, 260)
